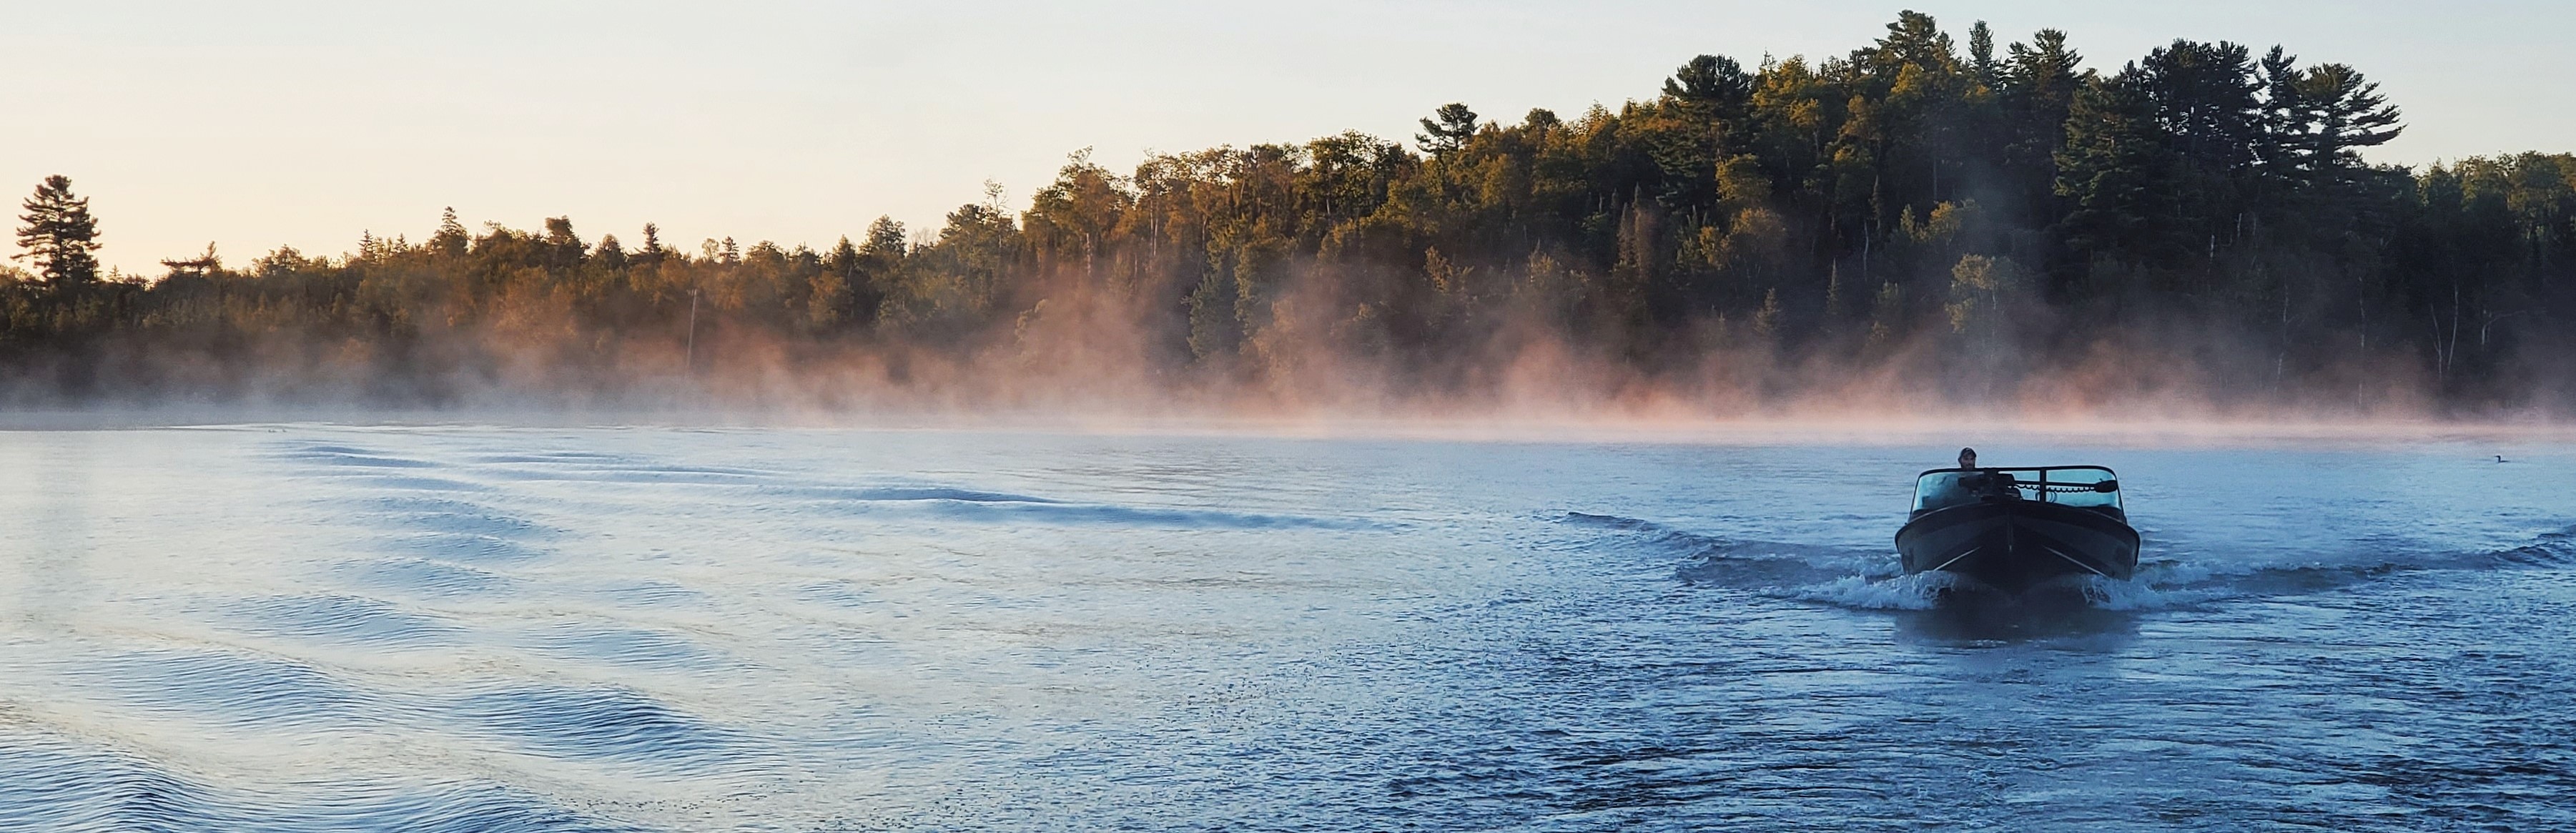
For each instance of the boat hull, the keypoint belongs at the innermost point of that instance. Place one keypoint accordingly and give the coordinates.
(2012, 545)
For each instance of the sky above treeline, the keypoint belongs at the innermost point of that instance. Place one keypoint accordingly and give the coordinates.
(253, 125)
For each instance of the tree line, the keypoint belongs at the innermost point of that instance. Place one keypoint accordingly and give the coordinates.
(1993, 223)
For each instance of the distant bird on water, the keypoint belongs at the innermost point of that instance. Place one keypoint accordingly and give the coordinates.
(2499, 458)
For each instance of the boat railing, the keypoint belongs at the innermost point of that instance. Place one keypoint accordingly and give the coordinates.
(2092, 487)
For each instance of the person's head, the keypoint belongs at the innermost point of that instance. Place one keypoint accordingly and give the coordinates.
(1967, 458)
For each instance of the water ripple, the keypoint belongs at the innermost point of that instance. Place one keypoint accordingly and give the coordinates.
(348, 619)
(53, 784)
(611, 723)
(424, 577)
(638, 647)
(241, 689)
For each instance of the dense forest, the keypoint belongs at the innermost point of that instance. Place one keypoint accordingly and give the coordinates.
(1918, 221)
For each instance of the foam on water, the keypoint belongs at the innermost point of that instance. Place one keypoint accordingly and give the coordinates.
(1922, 591)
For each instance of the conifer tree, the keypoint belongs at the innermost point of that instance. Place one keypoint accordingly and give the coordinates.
(2113, 167)
(2285, 120)
(2039, 82)
(1981, 55)
(653, 251)
(885, 246)
(1714, 86)
(1454, 125)
(2349, 115)
(450, 239)
(563, 246)
(610, 253)
(59, 234)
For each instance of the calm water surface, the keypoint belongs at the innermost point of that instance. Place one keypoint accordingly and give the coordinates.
(314, 627)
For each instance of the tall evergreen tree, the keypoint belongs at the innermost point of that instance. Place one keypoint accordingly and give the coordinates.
(2039, 82)
(653, 252)
(886, 245)
(2285, 120)
(1447, 130)
(1715, 85)
(59, 234)
(450, 239)
(2207, 104)
(563, 247)
(2348, 114)
(610, 253)
(1981, 55)
(2114, 167)
(1703, 102)
(2205, 98)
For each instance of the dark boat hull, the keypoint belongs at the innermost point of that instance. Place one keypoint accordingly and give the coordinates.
(2012, 545)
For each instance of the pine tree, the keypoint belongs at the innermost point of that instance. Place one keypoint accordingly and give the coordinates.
(886, 245)
(2207, 103)
(880, 260)
(1704, 101)
(2114, 166)
(653, 251)
(59, 234)
(199, 266)
(1712, 86)
(1454, 126)
(565, 248)
(610, 253)
(450, 239)
(2040, 80)
(1915, 39)
(2284, 124)
(844, 259)
(1981, 55)
(2205, 100)
(2349, 113)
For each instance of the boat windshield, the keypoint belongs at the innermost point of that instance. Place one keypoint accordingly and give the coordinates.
(2086, 486)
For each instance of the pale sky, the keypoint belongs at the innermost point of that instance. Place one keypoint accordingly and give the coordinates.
(257, 124)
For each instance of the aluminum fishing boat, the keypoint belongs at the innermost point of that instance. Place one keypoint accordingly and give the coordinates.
(2011, 529)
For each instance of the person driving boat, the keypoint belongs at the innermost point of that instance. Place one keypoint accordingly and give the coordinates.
(1994, 484)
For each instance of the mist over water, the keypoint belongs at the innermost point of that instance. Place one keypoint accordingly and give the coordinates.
(309, 626)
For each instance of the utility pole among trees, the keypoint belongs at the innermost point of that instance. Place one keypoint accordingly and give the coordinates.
(691, 353)
(59, 234)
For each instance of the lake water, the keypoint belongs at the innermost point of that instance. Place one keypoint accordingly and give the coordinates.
(318, 627)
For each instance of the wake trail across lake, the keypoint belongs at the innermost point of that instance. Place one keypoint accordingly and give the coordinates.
(1862, 578)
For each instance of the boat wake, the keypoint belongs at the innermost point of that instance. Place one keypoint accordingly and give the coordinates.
(2182, 580)
(1921, 591)
(50, 782)
(1712, 561)
(1865, 579)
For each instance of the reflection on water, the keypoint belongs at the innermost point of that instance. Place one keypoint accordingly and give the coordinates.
(446, 628)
